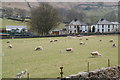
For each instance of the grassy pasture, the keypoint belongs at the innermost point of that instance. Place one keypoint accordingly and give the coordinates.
(5, 22)
(46, 63)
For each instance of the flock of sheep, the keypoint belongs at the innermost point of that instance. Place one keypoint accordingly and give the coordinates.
(39, 48)
(93, 54)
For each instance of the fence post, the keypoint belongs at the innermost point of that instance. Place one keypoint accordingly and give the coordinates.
(108, 62)
(61, 72)
(27, 76)
(88, 66)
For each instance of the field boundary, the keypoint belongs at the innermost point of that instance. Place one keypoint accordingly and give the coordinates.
(27, 36)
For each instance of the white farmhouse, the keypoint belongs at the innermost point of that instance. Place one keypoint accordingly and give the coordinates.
(105, 26)
(76, 26)
(18, 28)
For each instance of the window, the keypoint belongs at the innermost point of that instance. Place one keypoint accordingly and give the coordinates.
(113, 26)
(108, 26)
(75, 31)
(102, 30)
(75, 26)
(98, 30)
(108, 30)
(98, 26)
(103, 26)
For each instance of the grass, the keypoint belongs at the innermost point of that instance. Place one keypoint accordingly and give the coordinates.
(46, 63)
(6, 22)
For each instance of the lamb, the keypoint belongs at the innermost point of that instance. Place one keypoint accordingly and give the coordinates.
(114, 45)
(69, 49)
(24, 72)
(38, 48)
(111, 40)
(19, 75)
(10, 46)
(96, 53)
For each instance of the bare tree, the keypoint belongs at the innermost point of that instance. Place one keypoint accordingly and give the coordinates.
(44, 18)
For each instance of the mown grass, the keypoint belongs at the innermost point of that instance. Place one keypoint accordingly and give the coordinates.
(46, 63)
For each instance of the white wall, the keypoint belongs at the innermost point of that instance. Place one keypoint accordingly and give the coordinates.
(72, 28)
(112, 28)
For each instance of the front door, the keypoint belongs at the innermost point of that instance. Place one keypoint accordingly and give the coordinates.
(78, 29)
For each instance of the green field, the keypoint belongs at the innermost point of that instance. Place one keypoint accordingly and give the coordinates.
(6, 22)
(46, 63)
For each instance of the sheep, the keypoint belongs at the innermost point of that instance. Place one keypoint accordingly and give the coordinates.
(96, 53)
(82, 43)
(114, 45)
(100, 40)
(24, 72)
(55, 40)
(51, 40)
(38, 48)
(19, 75)
(69, 49)
(8, 41)
(10, 46)
(111, 40)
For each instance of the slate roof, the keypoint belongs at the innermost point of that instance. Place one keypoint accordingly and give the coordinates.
(103, 21)
(15, 27)
(76, 22)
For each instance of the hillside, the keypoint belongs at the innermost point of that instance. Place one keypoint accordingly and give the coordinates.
(6, 22)
(65, 5)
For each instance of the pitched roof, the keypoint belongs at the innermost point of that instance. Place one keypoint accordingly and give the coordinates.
(15, 27)
(103, 21)
(76, 22)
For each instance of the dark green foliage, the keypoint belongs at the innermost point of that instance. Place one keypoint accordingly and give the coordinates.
(43, 19)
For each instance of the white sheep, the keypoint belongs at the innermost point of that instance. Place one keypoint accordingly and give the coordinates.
(69, 49)
(82, 43)
(10, 46)
(114, 45)
(96, 53)
(24, 72)
(51, 40)
(19, 75)
(111, 40)
(39, 48)
(55, 40)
